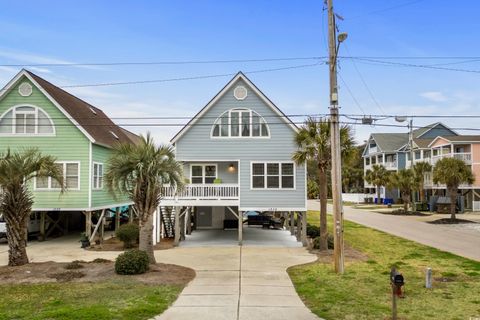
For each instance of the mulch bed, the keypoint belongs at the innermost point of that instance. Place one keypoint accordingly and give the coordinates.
(450, 221)
(97, 270)
(113, 244)
(403, 213)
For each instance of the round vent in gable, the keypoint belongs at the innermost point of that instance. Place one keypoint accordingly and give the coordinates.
(25, 89)
(240, 92)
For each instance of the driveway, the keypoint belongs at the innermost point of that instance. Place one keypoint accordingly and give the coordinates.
(231, 282)
(248, 282)
(462, 242)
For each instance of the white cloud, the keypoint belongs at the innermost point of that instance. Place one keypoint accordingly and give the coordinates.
(435, 96)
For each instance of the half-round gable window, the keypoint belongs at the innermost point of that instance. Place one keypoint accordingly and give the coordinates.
(26, 120)
(240, 123)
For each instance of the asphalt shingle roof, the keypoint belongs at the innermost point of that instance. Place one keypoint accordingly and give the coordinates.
(96, 123)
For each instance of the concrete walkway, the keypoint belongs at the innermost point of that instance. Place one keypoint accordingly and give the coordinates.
(238, 283)
(462, 242)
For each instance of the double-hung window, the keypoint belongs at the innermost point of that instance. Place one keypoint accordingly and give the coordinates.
(97, 176)
(71, 178)
(203, 173)
(273, 175)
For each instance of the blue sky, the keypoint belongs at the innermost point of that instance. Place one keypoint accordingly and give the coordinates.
(118, 31)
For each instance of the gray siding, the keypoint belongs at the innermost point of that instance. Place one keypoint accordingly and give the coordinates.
(438, 131)
(222, 170)
(197, 145)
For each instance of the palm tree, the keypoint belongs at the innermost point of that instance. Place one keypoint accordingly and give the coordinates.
(378, 176)
(405, 181)
(420, 169)
(140, 170)
(313, 141)
(16, 200)
(452, 172)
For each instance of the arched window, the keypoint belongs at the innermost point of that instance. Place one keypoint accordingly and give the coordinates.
(240, 123)
(26, 120)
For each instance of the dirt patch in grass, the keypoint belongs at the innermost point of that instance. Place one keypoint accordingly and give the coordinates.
(351, 255)
(92, 272)
(113, 244)
(450, 221)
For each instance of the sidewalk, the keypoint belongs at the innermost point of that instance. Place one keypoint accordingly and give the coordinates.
(464, 242)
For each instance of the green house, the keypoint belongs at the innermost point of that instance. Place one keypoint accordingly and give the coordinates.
(36, 113)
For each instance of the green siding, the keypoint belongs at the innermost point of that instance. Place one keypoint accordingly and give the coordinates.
(103, 197)
(68, 144)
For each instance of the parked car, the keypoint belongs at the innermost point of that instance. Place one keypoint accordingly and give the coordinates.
(33, 225)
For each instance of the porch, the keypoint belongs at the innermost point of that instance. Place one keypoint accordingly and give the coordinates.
(252, 236)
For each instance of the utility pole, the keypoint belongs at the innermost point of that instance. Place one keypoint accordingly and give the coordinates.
(335, 144)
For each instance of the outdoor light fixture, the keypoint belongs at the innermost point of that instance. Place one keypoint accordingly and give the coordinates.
(342, 37)
(231, 167)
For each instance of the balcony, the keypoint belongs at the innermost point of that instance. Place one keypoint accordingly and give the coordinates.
(464, 156)
(390, 165)
(201, 194)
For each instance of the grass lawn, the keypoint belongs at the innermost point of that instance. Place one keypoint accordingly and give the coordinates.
(363, 292)
(124, 299)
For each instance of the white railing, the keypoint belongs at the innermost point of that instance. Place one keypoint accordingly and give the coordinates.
(202, 191)
(464, 156)
(390, 165)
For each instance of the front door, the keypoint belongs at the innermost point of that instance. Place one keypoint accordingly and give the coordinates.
(204, 217)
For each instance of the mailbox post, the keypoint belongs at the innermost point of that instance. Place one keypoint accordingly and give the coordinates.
(397, 282)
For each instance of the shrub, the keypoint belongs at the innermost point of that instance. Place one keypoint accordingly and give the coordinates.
(132, 262)
(316, 242)
(128, 234)
(313, 231)
(312, 189)
(73, 265)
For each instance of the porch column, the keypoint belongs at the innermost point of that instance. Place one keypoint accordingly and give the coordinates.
(102, 228)
(240, 228)
(304, 229)
(117, 218)
(155, 226)
(189, 221)
(299, 226)
(42, 225)
(177, 226)
(183, 220)
(130, 214)
(158, 235)
(292, 222)
(88, 223)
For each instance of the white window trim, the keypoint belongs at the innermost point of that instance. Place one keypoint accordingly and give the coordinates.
(14, 122)
(280, 175)
(49, 188)
(203, 165)
(240, 110)
(96, 178)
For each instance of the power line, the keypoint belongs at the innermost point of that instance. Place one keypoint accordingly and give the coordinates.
(149, 63)
(190, 78)
(412, 65)
(364, 82)
(400, 5)
(351, 93)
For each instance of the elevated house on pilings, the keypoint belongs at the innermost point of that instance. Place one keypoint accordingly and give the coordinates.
(237, 158)
(36, 113)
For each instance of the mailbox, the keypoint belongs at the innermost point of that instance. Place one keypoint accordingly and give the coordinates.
(397, 281)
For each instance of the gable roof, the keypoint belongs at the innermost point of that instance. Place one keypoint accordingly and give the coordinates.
(90, 120)
(220, 94)
(390, 142)
(459, 138)
(418, 133)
